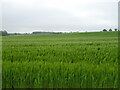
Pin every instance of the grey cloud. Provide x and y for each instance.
(31, 17)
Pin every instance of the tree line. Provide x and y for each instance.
(4, 32)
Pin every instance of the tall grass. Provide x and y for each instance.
(77, 60)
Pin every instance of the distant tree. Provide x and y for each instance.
(70, 31)
(110, 29)
(104, 30)
(0, 33)
(115, 29)
(3, 33)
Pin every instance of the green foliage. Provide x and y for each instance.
(75, 60)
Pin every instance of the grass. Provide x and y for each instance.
(74, 60)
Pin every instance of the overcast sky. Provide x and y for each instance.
(59, 15)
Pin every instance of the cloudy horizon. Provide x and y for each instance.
(59, 15)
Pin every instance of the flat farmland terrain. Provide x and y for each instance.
(73, 60)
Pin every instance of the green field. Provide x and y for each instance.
(74, 60)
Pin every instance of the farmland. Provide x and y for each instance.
(74, 60)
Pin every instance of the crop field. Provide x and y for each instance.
(74, 60)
